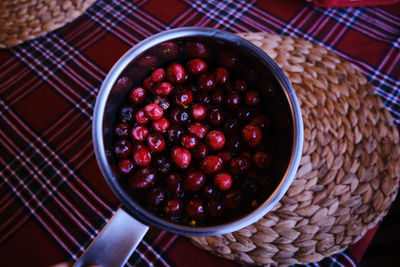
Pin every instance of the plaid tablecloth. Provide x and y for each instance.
(53, 199)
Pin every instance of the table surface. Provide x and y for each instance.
(53, 199)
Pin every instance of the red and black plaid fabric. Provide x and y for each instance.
(53, 199)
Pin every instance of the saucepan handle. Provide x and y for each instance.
(115, 243)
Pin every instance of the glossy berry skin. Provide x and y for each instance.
(139, 133)
(189, 140)
(200, 151)
(162, 89)
(195, 209)
(137, 96)
(252, 135)
(161, 163)
(153, 111)
(261, 160)
(196, 66)
(203, 97)
(173, 183)
(143, 178)
(147, 83)
(223, 181)
(215, 140)
(234, 143)
(218, 96)
(127, 113)
(240, 86)
(232, 199)
(215, 208)
(244, 114)
(155, 142)
(141, 117)
(226, 156)
(174, 134)
(173, 207)
(168, 50)
(239, 165)
(221, 75)
(122, 148)
(158, 75)
(141, 155)
(125, 167)
(231, 126)
(156, 197)
(181, 156)
(198, 112)
(209, 191)
(176, 73)
(183, 97)
(148, 62)
(163, 102)
(207, 82)
(161, 125)
(198, 129)
(261, 121)
(121, 130)
(197, 49)
(252, 98)
(211, 165)
(228, 59)
(193, 180)
(233, 100)
(215, 116)
(178, 115)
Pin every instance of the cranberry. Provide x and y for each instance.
(161, 125)
(261, 160)
(239, 165)
(226, 156)
(223, 181)
(198, 112)
(200, 151)
(162, 101)
(127, 113)
(234, 143)
(244, 114)
(137, 96)
(122, 148)
(240, 86)
(181, 156)
(261, 121)
(173, 208)
(218, 96)
(233, 199)
(121, 130)
(203, 97)
(221, 75)
(193, 180)
(140, 133)
(183, 97)
(215, 116)
(197, 49)
(148, 83)
(252, 98)
(174, 134)
(231, 126)
(176, 73)
(141, 117)
(233, 100)
(155, 142)
(198, 129)
(158, 75)
(194, 209)
(207, 82)
(161, 163)
(178, 115)
(210, 191)
(162, 89)
(143, 178)
(153, 111)
(168, 50)
(215, 208)
(123, 83)
(174, 185)
(189, 140)
(148, 62)
(156, 197)
(196, 66)
(141, 155)
(125, 167)
(215, 140)
(252, 135)
(228, 59)
(211, 164)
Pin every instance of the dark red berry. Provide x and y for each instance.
(148, 62)
(174, 184)
(156, 197)
(211, 164)
(215, 140)
(183, 97)
(206, 82)
(197, 49)
(125, 167)
(198, 112)
(127, 113)
(233, 100)
(141, 117)
(158, 75)
(226, 156)
(252, 135)
(261, 121)
(195, 209)
(148, 83)
(161, 163)
(174, 134)
(218, 96)
(232, 199)
(261, 160)
(122, 148)
(196, 66)
(193, 180)
(215, 116)
(140, 133)
(210, 191)
(162, 89)
(122, 84)
(244, 114)
(176, 73)
(197, 129)
(137, 95)
(141, 155)
(228, 59)
(221, 75)
(234, 143)
(178, 115)
(189, 140)
(161, 125)
(215, 208)
(156, 142)
(200, 151)
(173, 208)
(240, 86)
(223, 181)
(143, 178)
(153, 111)
(231, 126)
(168, 50)
(239, 165)
(203, 97)
(181, 156)
(121, 130)
(252, 98)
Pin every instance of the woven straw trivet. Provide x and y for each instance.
(349, 172)
(22, 20)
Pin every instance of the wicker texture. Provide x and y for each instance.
(22, 20)
(349, 172)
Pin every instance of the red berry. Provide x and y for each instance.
(148, 62)
(168, 50)
(198, 129)
(200, 151)
(161, 125)
(234, 143)
(156, 142)
(161, 163)
(221, 75)
(218, 96)
(176, 73)
(141, 117)
(223, 181)
(156, 197)
(196, 66)
(215, 208)
(181, 156)
(210, 191)
(228, 59)
(252, 135)
(122, 148)
(261, 121)
(203, 97)
(148, 83)
(215, 140)
(173, 208)
(141, 155)
(178, 115)
(183, 97)
(207, 82)
(125, 167)
(121, 130)
(240, 86)
(197, 49)
(252, 98)
(195, 209)
(143, 178)
(189, 141)
(174, 134)
(137, 95)
(261, 160)
(211, 164)
(198, 112)
(158, 75)
(215, 116)
(162, 89)
(193, 180)
(239, 165)
(233, 100)
(226, 156)
(140, 133)
(233, 199)
(153, 111)
(231, 126)
(174, 185)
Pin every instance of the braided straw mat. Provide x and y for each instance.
(22, 20)
(349, 172)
